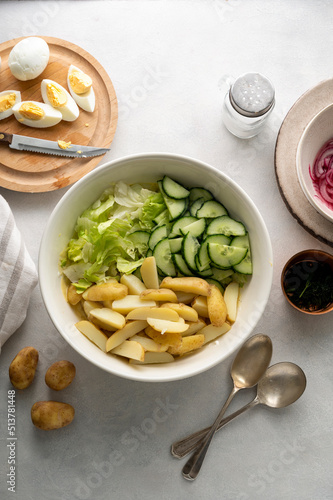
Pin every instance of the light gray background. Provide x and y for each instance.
(169, 61)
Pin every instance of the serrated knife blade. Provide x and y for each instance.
(26, 143)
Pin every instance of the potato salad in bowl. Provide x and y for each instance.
(162, 277)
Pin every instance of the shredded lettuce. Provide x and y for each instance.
(101, 245)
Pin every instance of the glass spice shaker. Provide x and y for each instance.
(247, 105)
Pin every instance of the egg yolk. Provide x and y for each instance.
(7, 101)
(31, 111)
(55, 95)
(64, 144)
(80, 82)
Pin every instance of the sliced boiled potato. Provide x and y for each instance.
(133, 283)
(153, 312)
(131, 328)
(150, 344)
(73, 297)
(211, 332)
(162, 325)
(164, 338)
(217, 309)
(200, 305)
(149, 273)
(93, 333)
(106, 291)
(159, 295)
(88, 306)
(194, 285)
(184, 311)
(190, 343)
(107, 303)
(130, 302)
(194, 327)
(153, 357)
(231, 294)
(130, 349)
(108, 317)
(185, 298)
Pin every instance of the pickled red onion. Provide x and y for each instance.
(322, 174)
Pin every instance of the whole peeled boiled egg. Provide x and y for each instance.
(56, 96)
(80, 87)
(8, 99)
(28, 58)
(36, 114)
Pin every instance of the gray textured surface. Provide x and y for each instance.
(169, 61)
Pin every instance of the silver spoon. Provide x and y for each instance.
(247, 369)
(281, 386)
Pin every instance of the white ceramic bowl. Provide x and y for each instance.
(316, 134)
(148, 168)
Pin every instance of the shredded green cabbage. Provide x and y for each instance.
(101, 245)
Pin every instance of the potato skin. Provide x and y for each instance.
(49, 415)
(23, 367)
(60, 375)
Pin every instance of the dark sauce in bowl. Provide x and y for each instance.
(309, 285)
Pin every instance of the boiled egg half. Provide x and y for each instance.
(8, 99)
(80, 87)
(36, 114)
(56, 96)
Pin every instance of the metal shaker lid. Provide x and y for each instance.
(252, 95)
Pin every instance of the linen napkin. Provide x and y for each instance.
(18, 275)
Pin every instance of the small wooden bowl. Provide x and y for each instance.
(304, 256)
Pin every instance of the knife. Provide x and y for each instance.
(35, 145)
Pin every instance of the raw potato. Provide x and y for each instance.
(106, 291)
(149, 273)
(188, 344)
(60, 375)
(217, 309)
(72, 296)
(197, 286)
(23, 367)
(49, 415)
(160, 295)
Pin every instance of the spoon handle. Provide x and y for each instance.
(192, 467)
(181, 448)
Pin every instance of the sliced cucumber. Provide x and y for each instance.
(175, 207)
(173, 189)
(227, 226)
(182, 222)
(225, 256)
(190, 247)
(221, 274)
(204, 273)
(198, 192)
(213, 281)
(245, 266)
(211, 209)
(181, 264)
(149, 253)
(196, 205)
(162, 217)
(158, 234)
(175, 245)
(203, 256)
(195, 228)
(163, 258)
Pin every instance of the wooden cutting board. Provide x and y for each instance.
(34, 172)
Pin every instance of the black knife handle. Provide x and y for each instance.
(6, 137)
